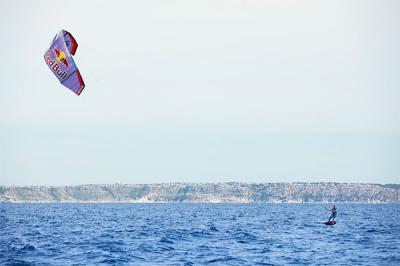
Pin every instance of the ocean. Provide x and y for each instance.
(198, 234)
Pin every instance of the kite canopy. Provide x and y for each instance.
(59, 59)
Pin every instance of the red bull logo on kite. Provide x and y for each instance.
(60, 57)
(55, 66)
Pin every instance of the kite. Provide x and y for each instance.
(59, 59)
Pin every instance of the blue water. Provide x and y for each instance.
(198, 234)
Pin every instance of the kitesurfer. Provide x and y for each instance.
(334, 212)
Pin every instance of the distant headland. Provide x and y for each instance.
(229, 192)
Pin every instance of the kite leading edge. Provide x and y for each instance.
(59, 59)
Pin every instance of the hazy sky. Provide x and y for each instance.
(202, 91)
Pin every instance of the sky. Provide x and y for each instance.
(202, 91)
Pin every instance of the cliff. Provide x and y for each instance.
(206, 192)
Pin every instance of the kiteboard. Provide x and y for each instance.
(330, 223)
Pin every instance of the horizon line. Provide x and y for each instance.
(204, 183)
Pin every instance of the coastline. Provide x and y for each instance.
(213, 193)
